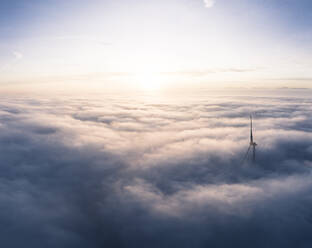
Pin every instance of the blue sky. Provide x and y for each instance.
(156, 44)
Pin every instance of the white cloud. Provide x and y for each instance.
(209, 3)
(18, 55)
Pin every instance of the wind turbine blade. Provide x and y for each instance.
(246, 155)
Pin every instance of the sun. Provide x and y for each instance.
(150, 76)
(149, 81)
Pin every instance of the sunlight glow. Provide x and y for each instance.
(150, 81)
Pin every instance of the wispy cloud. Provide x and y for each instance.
(93, 40)
(293, 79)
(14, 57)
(209, 3)
(17, 55)
(205, 72)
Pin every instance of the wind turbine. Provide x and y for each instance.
(252, 145)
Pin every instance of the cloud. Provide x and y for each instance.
(119, 171)
(15, 57)
(18, 55)
(207, 72)
(85, 39)
(209, 3)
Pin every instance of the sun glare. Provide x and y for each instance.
(149, 81)
(150, 78)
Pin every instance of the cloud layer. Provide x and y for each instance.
(112, 171)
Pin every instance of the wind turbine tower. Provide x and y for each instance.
(252, 145)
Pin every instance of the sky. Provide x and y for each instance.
(125, 123)
(154, 45)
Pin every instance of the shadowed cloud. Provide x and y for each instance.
(129, 172)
